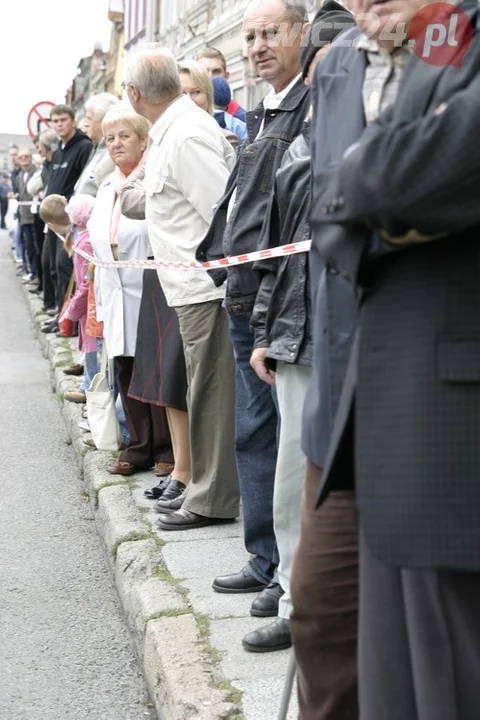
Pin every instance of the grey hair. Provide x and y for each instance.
(49, 139)
(154, 73)
(296, 11)
(100, 104)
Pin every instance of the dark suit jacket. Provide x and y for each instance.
(417, 402)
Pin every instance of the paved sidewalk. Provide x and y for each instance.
(187, 636)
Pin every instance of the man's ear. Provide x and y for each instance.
(227, 75)
(135, 94)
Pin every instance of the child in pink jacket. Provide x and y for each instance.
(79, 209)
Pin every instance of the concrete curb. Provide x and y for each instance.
(171, 640)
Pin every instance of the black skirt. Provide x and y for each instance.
(159, 372)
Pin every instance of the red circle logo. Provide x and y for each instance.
(441, 34)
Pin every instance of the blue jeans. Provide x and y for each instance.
(256, 448)
(20, 249)
(90, 369)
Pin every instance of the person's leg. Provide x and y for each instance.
(385, 672)
(39, 241)
(90, 366)
(3, 212)
(137, 414)
(161, 441)
(29, 240)
(213, 490)
(256, 449)
(21, 248)
(443, 624)
(53, 241)
(180, 434)
(292, 384)
(324, 621)
(64, 271)
(19, 243)
(48, 287)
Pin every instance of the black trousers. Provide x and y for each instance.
(147, 424)
(49, 266)
(419, 642)
(29, 243)
(64, 265)
(39, 241)
(3, 212)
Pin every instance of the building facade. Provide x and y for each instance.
(187, 26)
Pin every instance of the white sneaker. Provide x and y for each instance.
(83, 425)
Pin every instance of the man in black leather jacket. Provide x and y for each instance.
(236, 229)
(282, 324)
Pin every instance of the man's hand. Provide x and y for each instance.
(412, 237)
(257, 361)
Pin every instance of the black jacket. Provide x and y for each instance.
(68, 163)
(252, 177)
(281, 318)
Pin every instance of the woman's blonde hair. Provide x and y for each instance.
(200, 77)
(125, 114)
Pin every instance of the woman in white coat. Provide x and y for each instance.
(118, 292)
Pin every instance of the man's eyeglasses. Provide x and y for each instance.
(124, 85)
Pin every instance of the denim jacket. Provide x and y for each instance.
(253, 178)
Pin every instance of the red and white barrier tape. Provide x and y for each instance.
(281, 251)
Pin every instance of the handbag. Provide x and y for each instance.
(65, 325)
(102, 416)
(93, 327)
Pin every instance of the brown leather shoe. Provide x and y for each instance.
(186, 520)
(74, 370)
(162, 469)
(120, 467)
(75, 396)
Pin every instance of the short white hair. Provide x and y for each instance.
(49, 139)
(100, 104)
(154, 73)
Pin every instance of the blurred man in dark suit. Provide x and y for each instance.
(400, 218)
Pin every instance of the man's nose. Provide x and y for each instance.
(260, 45)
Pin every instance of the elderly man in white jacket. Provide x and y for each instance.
(186, 172)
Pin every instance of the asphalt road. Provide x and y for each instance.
(65, 652)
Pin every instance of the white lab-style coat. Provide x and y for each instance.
(117, 292)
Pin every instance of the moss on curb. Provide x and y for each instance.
(232, 694)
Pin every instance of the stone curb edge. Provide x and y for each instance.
(171, 640)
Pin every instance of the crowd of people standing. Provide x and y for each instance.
(331, 395)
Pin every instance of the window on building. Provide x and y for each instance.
(136, 20)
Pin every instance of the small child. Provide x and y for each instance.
(70, 220)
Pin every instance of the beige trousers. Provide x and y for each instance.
(213, 490)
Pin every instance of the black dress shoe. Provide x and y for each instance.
(186, 520)
(174, 490)
(269, 638)
(74, 370)
(169, 506)
(242, 582)
(157, 490)
(266, 604)
(50, 327)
